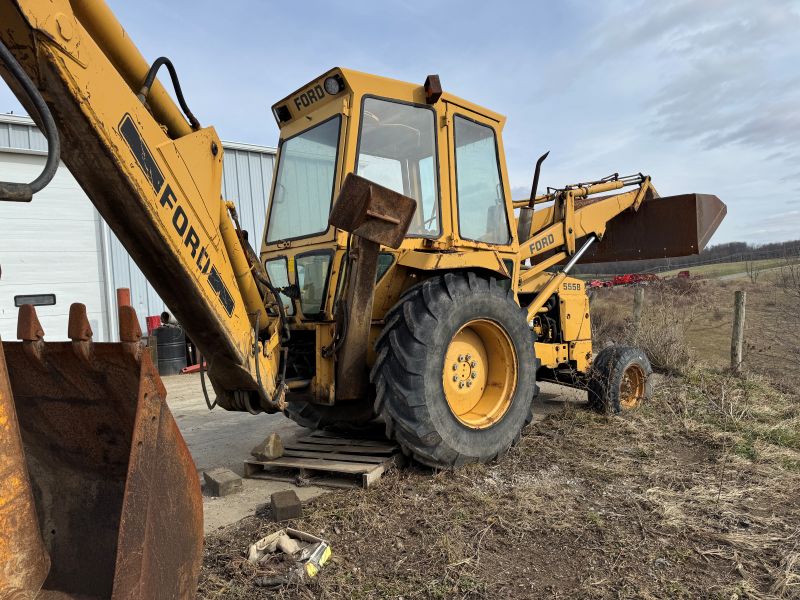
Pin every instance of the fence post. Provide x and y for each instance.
(737, 339)
(638, 303)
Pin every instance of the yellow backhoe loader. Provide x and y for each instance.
(397, 280)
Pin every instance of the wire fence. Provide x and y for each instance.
(687, 263)
(750, 256)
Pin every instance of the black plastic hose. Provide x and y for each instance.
(23, 192)
(176, 84)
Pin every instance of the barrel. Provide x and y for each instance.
(171, 349)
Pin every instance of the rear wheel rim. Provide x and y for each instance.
(480, 373)
(632, 387)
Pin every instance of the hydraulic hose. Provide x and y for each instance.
(176, 84)
(23, 192)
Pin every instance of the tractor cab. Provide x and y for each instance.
(441, 151)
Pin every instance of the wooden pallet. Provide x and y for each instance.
(324, 459)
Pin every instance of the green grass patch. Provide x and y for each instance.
(745, 449)
(790, 464)
(781, 436)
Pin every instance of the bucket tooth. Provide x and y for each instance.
(29, 329)
(31, 333)
(130, 333)
(79, 329)
(129, 329)
(80, 332)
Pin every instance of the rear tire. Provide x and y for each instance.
(439, 406)
(344, 417)
(619, 380)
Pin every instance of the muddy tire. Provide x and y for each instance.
(345, 417)
(455, 373)
(619, 380)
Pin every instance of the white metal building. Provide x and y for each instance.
(59, 245)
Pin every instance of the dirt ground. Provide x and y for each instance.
(694, 495)
(220, 438)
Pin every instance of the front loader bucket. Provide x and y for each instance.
(115, 489)
(663, 227)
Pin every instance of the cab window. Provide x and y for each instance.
(278, 272)
(301, 198)
(482, 212)
(397, 149)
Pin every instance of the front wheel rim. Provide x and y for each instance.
(632, 387)
(479, 375)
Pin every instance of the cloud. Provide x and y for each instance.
(704, 95)
(722, 72)
(783, 225)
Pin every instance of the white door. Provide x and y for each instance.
(49, 247)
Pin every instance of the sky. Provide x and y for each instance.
(702, 95)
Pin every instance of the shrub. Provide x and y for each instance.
(663, 340)
(607, 327)
(661, 333)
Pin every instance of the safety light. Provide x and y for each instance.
(334, 84)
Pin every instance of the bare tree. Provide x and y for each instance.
(752, 270)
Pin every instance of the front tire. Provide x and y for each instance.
(619, 380)
(455, 373)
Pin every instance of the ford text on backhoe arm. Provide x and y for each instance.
(395, 281)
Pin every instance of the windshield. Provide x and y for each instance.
(301, 199)
(397, 150)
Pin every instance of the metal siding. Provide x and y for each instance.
(77, 267)
(247, 178)
(19, 137)
(36, 140)
(19, 133)
(49, 246)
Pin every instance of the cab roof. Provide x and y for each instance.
(311, 96)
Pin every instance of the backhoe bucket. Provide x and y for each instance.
(117, 500)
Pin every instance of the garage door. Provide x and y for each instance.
(50, 250)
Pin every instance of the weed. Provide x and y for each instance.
(790, 464)
(745, 449)
(595, 519)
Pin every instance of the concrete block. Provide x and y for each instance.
(222, 482)
(286, 505)
(269, 449)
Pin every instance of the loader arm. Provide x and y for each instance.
(154, 174)
(681, 225)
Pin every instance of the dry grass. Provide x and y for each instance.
(700, 318)
(695, 495)
(662, 330)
